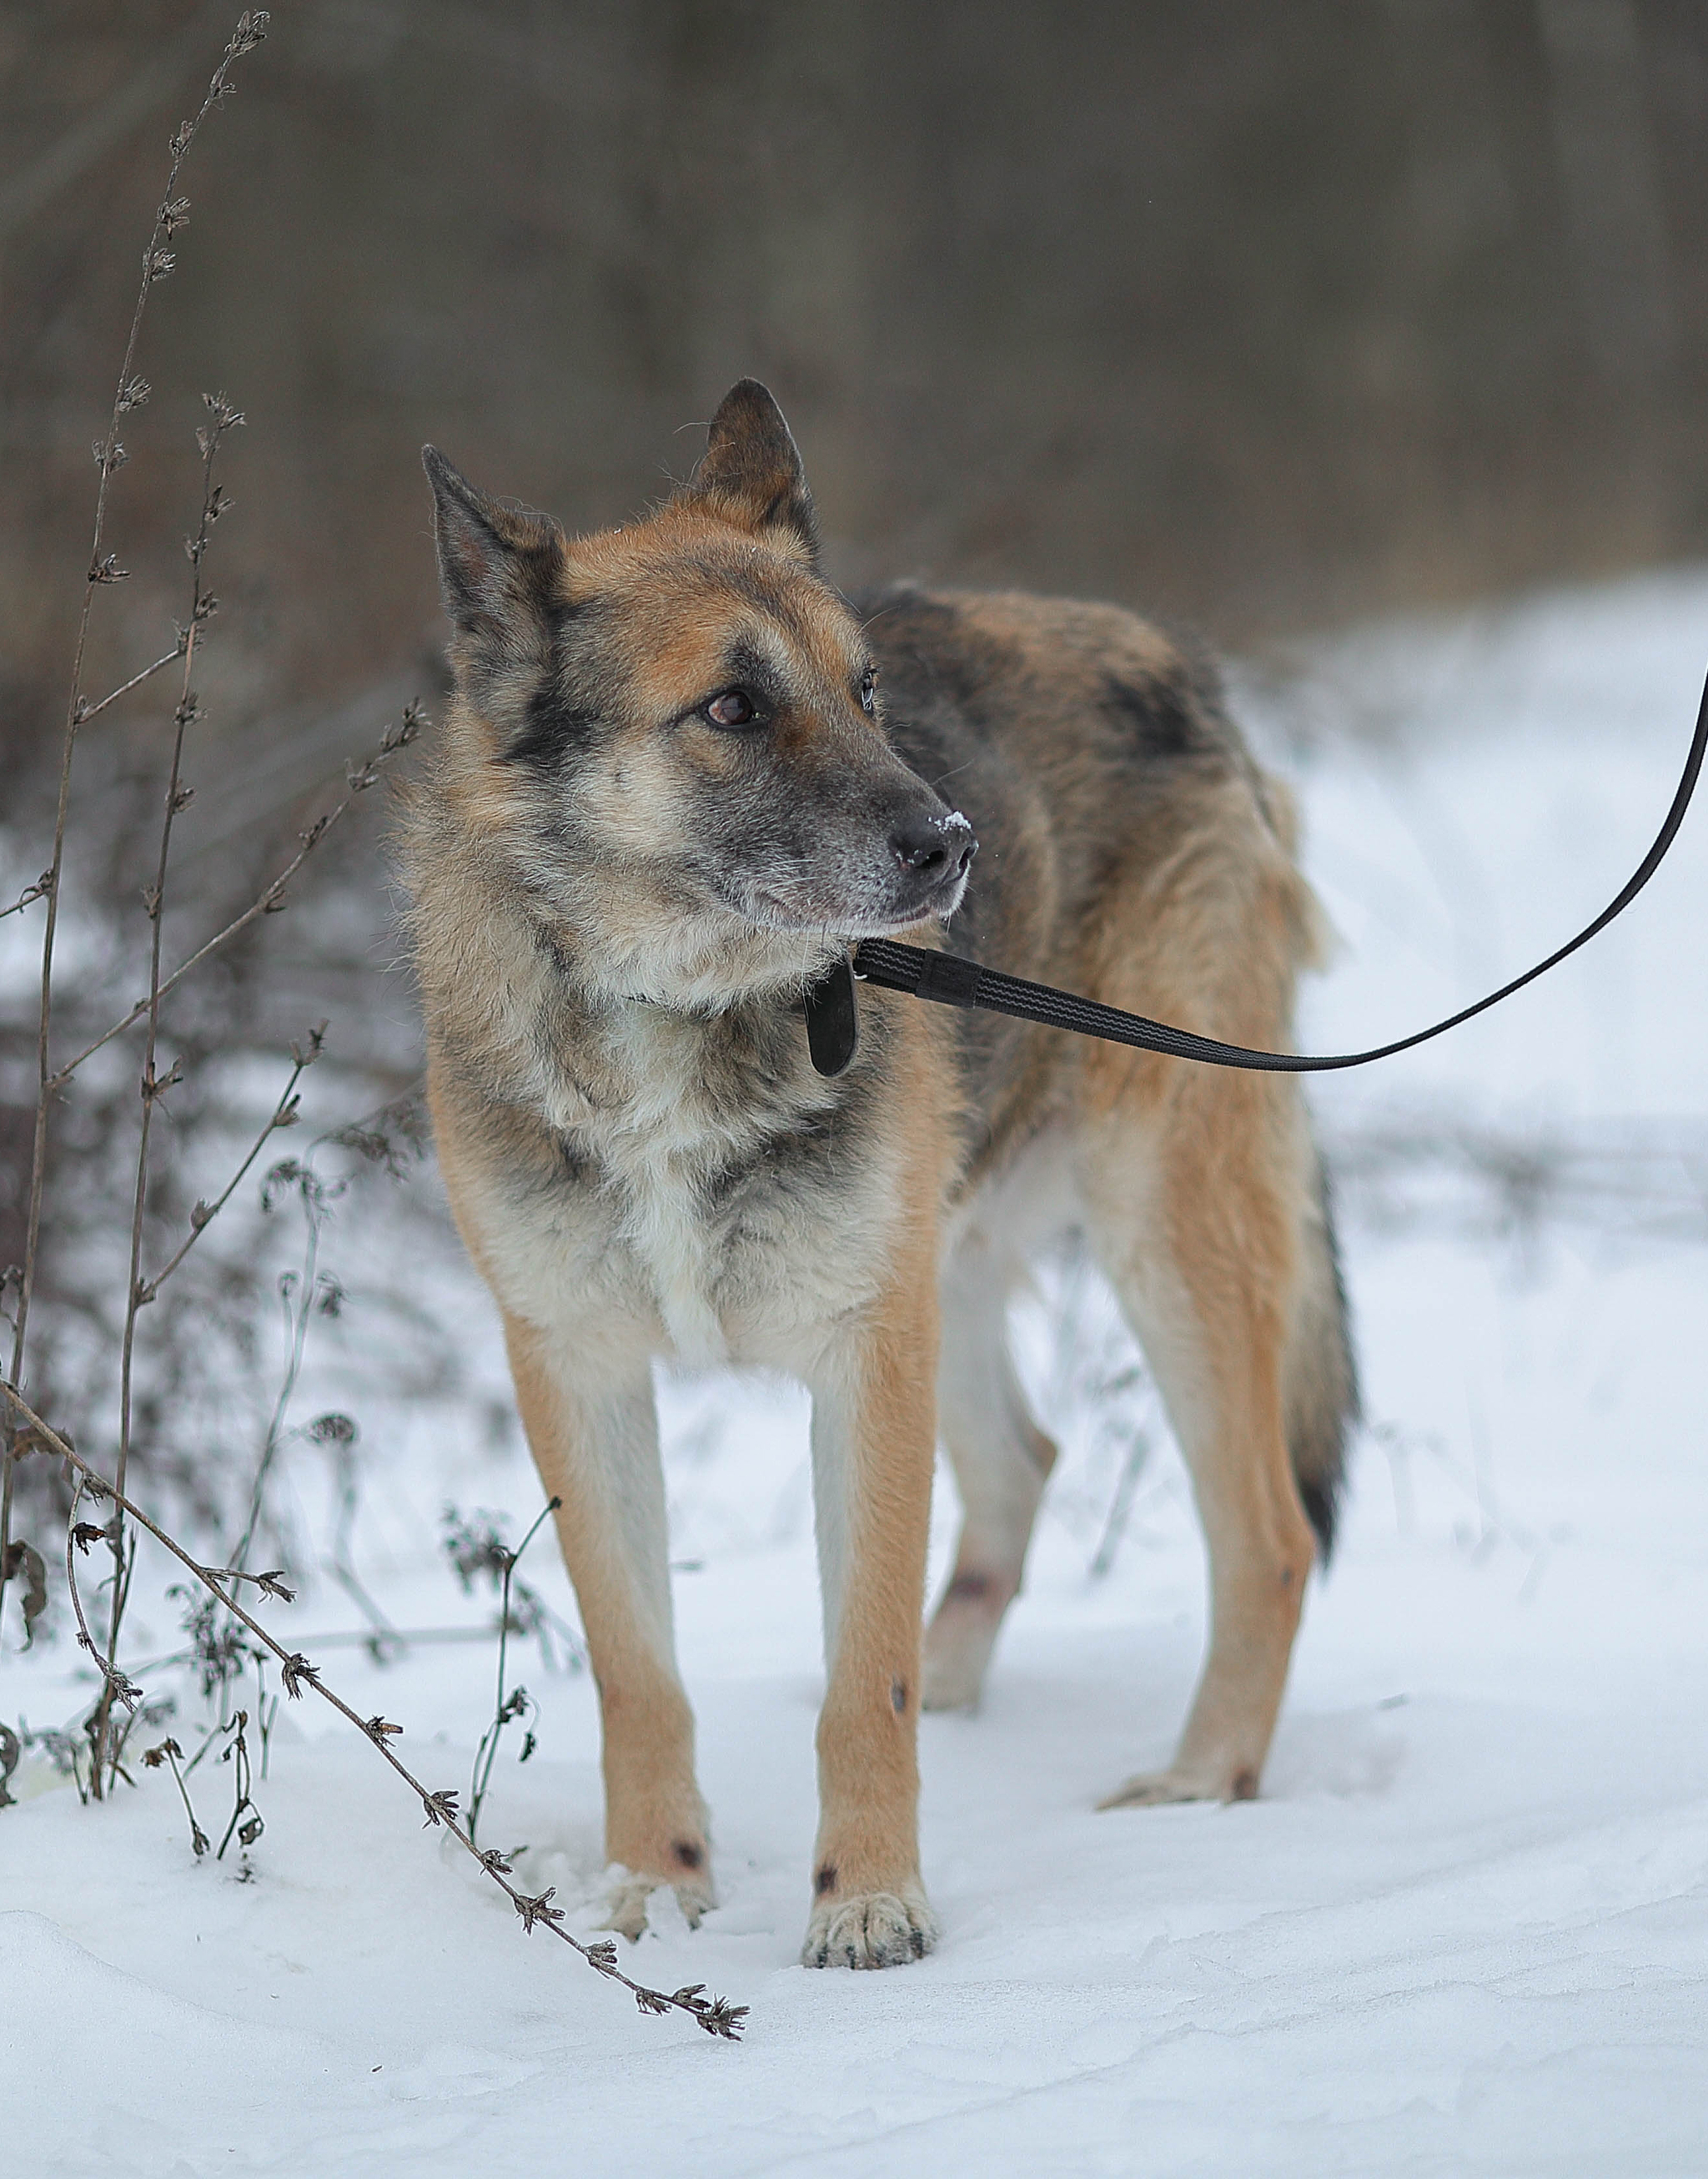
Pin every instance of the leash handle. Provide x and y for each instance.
(951, 979)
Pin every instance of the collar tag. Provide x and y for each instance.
(833, 1018)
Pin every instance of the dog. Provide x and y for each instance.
(677, 776)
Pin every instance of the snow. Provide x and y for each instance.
(1465, 1929)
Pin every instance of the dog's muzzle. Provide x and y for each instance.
(933, 851)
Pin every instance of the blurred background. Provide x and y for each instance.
(1368, 338)
(1264, 316)
(1268, 319)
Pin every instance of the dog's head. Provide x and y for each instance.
(677, 725)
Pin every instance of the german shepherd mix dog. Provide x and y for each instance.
(678, 775)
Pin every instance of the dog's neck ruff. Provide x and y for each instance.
(829, 1004)
(704, 983)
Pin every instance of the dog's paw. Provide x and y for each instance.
(625, 1902)
(1156, 1789)
(871, 1930)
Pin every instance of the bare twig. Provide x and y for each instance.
(202, 1215)
(381, 1640)
(31, 893)
(1121, 1505)
(129, 393)
(153, 1086)
(505, 1709)
(87, 710)
(475, 1546)
(270, 1584)
(272, 898)
(299, 1293)
(715, 2015)
(168, 1751)
(79, 1536)
(308, 1292)
(238, 1754)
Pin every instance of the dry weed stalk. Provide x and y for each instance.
(26, 1431)
(474, 1545)
(130, 393)
(506, 1708)
(716, 2014)
(358, 779)
(169, 1752)
(154, 1085)
(31, 892)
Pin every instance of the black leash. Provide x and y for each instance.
(950, 980)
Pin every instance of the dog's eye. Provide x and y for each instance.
(868, 689)
(734, 708)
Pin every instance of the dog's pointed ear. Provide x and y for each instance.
(751, 473)
(498, 565)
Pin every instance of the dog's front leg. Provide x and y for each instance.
(587, 1406)
(874, 1428)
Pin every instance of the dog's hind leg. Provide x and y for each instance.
(1196, 1211)
(1002, 1460)
(596, 1443)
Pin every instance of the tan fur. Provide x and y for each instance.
(866, 1863)
(654, 1820)
(618, 901)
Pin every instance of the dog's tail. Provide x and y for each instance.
(1321, 1379)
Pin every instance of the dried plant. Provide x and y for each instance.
(11, 1747)
(298, 1673)
(474, 1545)
(168, 1752)
(506, 1708)
(226, 1641)
(246, 1818)
(1423, 1168)
(1097, 1390)
(130, 393)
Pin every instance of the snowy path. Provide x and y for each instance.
(1465, 1930)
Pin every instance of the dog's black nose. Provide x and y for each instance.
(936, 845)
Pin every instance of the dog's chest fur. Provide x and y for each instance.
(704, 1178)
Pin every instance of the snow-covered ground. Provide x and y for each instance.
(1466, 1930)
